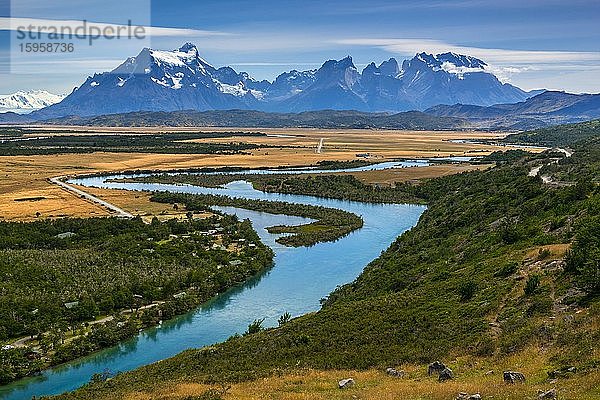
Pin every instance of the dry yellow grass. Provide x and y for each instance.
(556, 252)
(391, 176)
(472, 376)
(139, 204)
(26, 176)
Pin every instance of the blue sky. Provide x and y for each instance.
(530, 43)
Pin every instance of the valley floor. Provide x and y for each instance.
(25, 190)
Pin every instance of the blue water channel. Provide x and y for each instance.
(299, 278)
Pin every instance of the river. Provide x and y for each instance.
(300, 277)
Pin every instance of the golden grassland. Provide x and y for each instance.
(25, 177)
(473, 375)
(391, 176)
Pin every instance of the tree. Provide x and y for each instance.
(285, 318)
(255, 327)
(467, 290)
(532, 285)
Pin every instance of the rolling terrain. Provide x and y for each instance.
(500, 273)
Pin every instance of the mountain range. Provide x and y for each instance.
(156, 80)
(546, 109)
(23, 102)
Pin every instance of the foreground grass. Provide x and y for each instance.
(474, 375)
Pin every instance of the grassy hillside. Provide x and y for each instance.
(561, 135)
(500, 264)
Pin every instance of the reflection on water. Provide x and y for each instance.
(300, 277)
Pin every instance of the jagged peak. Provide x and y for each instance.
(344, 63)
(188, 47)
(389, 67)
(458, 60)
(371, 67)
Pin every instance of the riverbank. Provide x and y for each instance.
(112, 264)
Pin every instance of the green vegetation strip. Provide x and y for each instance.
(164, 143)
(343, 187)
(330, 225)
(561, 135)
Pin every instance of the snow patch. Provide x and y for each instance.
(459, 71)
(257, 94)
(159, 82)
(237, 90)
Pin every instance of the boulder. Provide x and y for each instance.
(394, 372)
(564, 372)
(513, 377)
(435, 368)
(446, 375)
(346, 383)
(550, 394)
(466, 396)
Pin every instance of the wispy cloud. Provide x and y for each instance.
(52, 25)
(497, 56)
(275, 64)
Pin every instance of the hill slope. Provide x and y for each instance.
(545, 109)
(561, 135)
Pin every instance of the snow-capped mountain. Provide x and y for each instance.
(157, 80)
(450, 78)
(23, 102)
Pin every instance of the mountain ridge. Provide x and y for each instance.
(259, 119)
(545, 109)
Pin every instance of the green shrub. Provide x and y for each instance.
(467, 290)
(255, 326)
(507, 269)
(285, 318)
(532, 285)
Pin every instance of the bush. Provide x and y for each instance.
(285, 318)
(467, 290)
(507, 270)
(255, 327)
(544, 253)
(532, 285)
